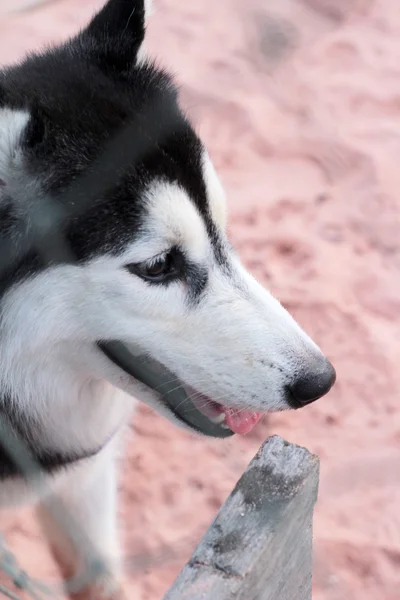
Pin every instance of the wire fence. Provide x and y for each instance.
(41, 229)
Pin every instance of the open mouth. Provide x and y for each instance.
(191, 407)
(237, 420)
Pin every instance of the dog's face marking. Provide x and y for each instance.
(215, 193)
(209, 321)
(173, 220)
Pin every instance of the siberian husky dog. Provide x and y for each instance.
(118, 281)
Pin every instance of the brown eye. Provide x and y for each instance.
(161, 269)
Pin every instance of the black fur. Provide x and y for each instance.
(83, 95)
(101, 128)
(28, 436)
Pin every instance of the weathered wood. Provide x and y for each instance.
(259, 546)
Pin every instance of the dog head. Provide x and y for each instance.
(92, 131)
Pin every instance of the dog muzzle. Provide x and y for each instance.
(171, 391)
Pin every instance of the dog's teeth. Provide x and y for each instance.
(218, 419)
(224, 426)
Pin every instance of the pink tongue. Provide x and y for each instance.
(241, 421)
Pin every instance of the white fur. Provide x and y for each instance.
(149, 8)
(142, 54)
(12, 125)
(237, 334)
(216, 193)
(236, 345)
(89, 496)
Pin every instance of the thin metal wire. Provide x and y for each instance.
(45, 234)
(8, 594)
(41, 230)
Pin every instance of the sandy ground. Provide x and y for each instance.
(301, 111)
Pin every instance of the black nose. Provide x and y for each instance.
(310, 387)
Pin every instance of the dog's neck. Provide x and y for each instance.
(36, 373)
(58, 408)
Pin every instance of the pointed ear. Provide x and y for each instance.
(116, 34)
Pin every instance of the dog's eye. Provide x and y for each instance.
(161, 269)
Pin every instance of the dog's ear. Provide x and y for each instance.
(115, 36)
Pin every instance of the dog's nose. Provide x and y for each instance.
(312, 386)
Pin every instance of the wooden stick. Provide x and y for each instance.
(259, 546)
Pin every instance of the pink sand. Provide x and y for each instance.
(301, 112)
